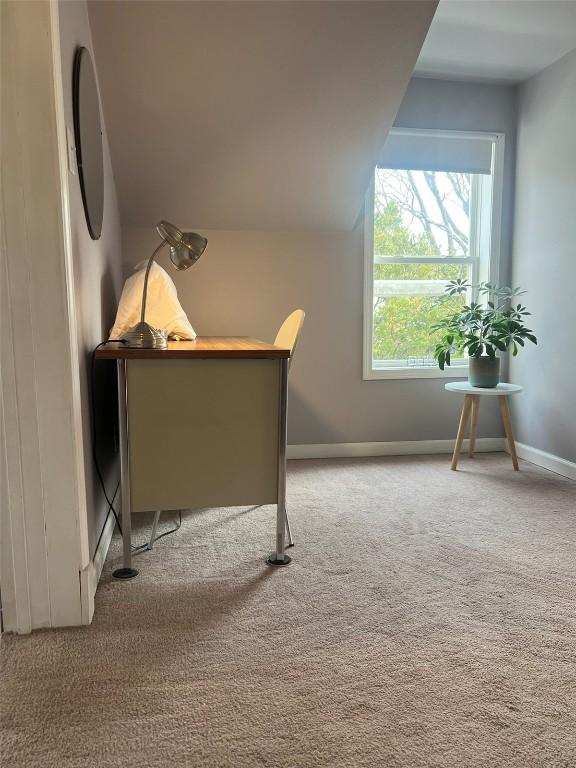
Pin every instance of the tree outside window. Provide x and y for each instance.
(423, 215)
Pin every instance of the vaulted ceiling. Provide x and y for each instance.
(502, 40)
(251, 115)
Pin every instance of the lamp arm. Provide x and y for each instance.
(148, 266)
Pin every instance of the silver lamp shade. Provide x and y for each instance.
(185, 247)
(185, 250)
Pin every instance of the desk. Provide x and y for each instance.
(201, 424)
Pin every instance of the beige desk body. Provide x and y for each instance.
(202, 424)
(202, 433)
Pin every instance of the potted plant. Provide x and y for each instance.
(482, 330)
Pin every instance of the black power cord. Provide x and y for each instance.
(94, 441)
(147, 546)
(111, 509)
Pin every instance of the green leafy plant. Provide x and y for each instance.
(482, 329)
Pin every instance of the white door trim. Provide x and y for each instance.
(16, 609)
(70, 285)
(44, 526)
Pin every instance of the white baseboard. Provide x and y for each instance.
(400, 448)
(421, 447)
(90, 576)
(547, 460)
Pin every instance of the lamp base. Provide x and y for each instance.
(145, 336)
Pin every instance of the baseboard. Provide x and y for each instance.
(90, 576)
(547, 460)
(400, 448)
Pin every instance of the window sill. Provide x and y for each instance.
(454, 372)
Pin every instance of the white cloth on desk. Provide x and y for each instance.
(163, 310)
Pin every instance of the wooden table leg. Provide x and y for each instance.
(465, 415)
(474, 423)
(507, 421)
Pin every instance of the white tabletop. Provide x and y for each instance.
(467, 389)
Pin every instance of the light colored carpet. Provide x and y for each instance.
(428, 620)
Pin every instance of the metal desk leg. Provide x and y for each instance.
(279, 557)
(288, 531)
(126, 572)
(154, 528)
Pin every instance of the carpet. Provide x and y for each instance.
(428, 619)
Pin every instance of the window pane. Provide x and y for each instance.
(421, 213)
(406, 304)
(424, 223)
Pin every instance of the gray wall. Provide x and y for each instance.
(544, 260)
(98, 282)
(247, 282)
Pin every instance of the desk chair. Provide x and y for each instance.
(289, 331)
(287, 337)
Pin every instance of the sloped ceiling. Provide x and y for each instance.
(501, 40)
(251, 115)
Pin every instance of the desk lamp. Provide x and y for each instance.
(185, 250)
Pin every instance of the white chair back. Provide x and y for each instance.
(289, 331)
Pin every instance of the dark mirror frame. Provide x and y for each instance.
(83, 59)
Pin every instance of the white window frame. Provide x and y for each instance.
(486, 269)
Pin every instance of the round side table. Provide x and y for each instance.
(472, 397)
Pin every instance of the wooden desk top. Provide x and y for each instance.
(213, 347)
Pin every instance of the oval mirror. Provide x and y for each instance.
(88, 138)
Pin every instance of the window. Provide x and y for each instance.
(432, 215)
